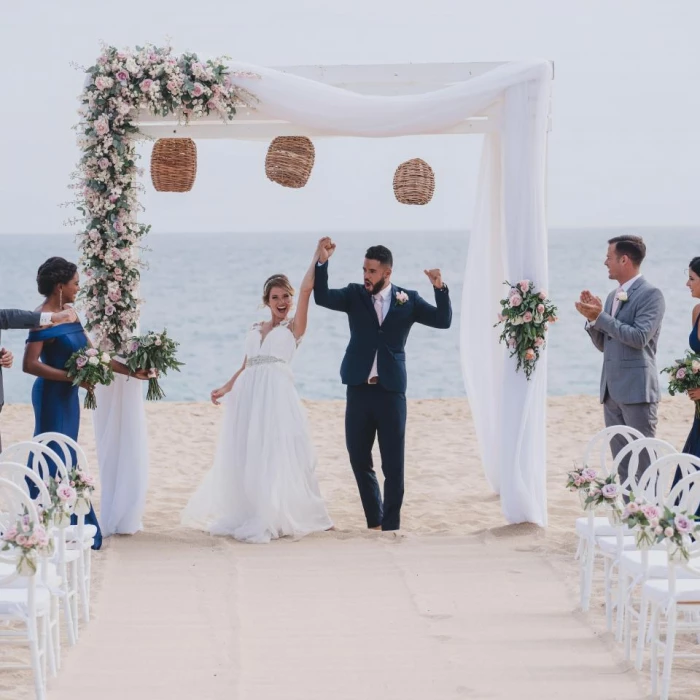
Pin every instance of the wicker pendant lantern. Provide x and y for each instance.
(174, 165)
(414, 182)
(289, 161)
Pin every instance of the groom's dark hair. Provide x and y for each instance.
(631, 246)
(380, 254)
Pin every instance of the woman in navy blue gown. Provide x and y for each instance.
(55, 400)
(692, 445)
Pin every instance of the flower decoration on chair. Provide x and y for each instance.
(643, 518)
(119, 85)
(657, 525)
(29, 540)
(63, 498)
(84, 485)
(605, 493)
(526, 314)
(684, 375)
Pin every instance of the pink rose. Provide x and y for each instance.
(158, 342)
(651, 512)
(81, 362)
(632, 507)
(133, 346)
(680, 374)
(103, 163)
(109, 310)
(542, 295)
(684, 525)
(524, 285)
(668, 532)
(539, 342)
(540, 308)
(589, 474)
(66, 493)
(21, 540)
(122, 76)
(118, 226)
(515, 300)
(610, 491)
(10, 534)
(527, 317)
(102, 127)
(171, 85)
(113, 198)
(198, 90)
(91, 352)
(530, 355)
(115, 295)
(146, 85)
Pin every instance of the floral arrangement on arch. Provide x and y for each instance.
(119, 85)
(526, 314)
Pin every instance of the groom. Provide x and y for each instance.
(374, 369)
(626, 330)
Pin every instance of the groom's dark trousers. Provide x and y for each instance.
(378, 410)
(373, 411)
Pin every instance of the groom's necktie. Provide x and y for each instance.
(616, 301)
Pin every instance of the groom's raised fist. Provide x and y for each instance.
(435, 277)
(325, 249)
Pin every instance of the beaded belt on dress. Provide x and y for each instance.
(263, 360)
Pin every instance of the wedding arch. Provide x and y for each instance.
(151, 92)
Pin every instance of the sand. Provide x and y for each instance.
(460, 605)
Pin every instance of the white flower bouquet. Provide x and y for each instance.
(89, 367)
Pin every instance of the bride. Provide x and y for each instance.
(262, 485)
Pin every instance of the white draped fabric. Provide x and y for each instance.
(121, 435)
(508, 241)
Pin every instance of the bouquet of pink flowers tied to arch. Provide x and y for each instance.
(684, 375)
(90, 367)
(526, 314)
(155, 353)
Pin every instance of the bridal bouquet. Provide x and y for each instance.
(28, 539)
(526, 314)
(90, 367)
(684, 375)
(155, 353)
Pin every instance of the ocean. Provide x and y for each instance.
(206, 288)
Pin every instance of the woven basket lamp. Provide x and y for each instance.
(289, 161)
(414, 182)
(174, 165)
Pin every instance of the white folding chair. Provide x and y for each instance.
(81, 535)
(27, 606)
(61, 574)
(597, 455)
(676, 599)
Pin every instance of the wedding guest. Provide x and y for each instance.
(626, 330)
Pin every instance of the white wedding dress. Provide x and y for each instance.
(263, 483)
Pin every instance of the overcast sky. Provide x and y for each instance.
(624, 151)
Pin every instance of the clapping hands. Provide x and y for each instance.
(589, 306)
(6, 358)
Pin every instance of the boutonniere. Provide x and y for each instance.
(622, 297)
(401, 298)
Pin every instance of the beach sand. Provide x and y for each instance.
(460, 605)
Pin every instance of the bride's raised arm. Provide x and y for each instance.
(301, 315)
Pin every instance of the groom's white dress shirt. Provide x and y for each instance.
(385, 297)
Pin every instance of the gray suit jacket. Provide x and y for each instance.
(13, 318)
(628, 343)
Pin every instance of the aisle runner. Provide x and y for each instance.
(329, 619)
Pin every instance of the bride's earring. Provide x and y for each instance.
(60, 298)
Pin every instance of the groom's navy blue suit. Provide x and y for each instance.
(378, 410)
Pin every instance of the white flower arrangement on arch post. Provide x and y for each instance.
(526, 314)
(119, 85)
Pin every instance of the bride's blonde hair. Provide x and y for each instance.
(276, 281)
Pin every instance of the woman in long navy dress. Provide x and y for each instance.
(55, 399)
(692, 445)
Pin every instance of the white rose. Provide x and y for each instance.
(94, 360)
(106, 359)
(622, 296)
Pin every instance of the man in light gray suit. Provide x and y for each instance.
(626, 330)
(13, 318)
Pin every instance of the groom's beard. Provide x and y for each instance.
(377, 287)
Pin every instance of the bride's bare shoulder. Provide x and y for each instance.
(696, 313)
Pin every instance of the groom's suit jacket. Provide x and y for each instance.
(628, 342)
(368, 338)
(12, 318)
